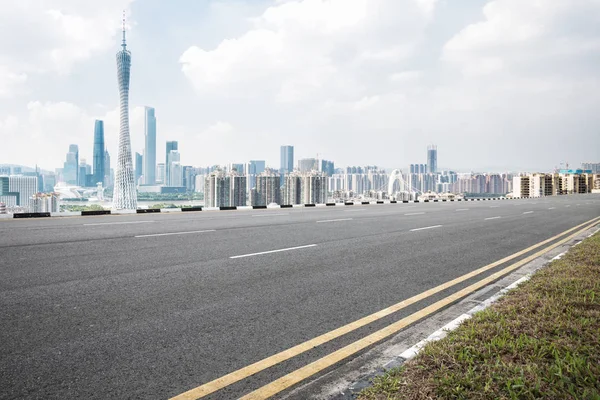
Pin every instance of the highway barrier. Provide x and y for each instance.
(231, 208)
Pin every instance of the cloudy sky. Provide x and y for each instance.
(500, 84)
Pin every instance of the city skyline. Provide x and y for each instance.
(45, 115)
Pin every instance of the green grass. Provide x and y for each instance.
(541, 340)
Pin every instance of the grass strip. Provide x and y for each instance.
(541, 340)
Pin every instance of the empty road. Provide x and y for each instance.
(153, 305)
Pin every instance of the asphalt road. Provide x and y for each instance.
(149, 306)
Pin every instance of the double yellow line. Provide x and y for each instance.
(315, 367)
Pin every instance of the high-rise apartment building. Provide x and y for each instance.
(171, 146)
(314, 188)
(45, 202)
(432, 159)
(149, 169)
(98, 160)
(224, 189)
(286, 160)
(267, 189)
(292, 188)
(124, 192)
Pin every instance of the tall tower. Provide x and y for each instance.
(124, 194)
(98, 152)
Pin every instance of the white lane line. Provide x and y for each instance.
(269, 215)
(119, 223)
(463, 209)
(487, 219)
(274, 251)
(427, 227)
(552, 208)
(173, 233)
(528, 212)
(419, 213)
(334, 220)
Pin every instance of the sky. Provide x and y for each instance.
(496, 85)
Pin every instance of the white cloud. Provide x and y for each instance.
(299, 50)
(53, 36)
(50, 127)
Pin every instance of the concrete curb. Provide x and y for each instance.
(241, 208)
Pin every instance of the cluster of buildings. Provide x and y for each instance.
(22, 193)
(309, 181)
(556, 184)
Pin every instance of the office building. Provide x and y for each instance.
(98, 160)
(139, 166)
(176, 179)
(25, 186)
(160, 173)
(286, 160)
(253, 168)
(308, 165)
(432, 159)
(267, 189)
(149, 168)
(171, 146)
(124, 192)
(224, 189)
(593, 168)
(10, 199)
(70, 172)
(326, 167)
(85, 174)
(189, 178)
(108, 175)
(172, 157)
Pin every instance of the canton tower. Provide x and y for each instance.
(124, 195)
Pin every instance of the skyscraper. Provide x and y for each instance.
(175, 177)
(107, 170)
(139, 160)
(287, 160)
(170, 147)
(71, 166)
(432, 159)
(98, 152)
(149, 170)
(124, 193)
(160, 173)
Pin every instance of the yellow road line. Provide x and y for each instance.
(313, 368)
(243, 373)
